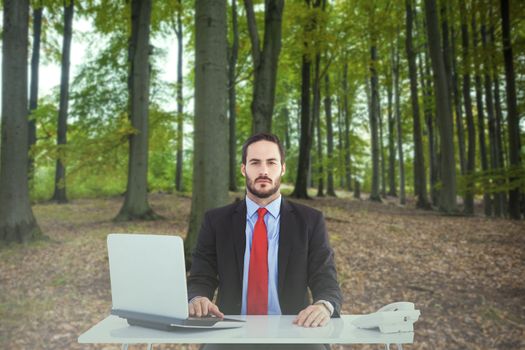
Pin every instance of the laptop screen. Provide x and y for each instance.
(148, 274)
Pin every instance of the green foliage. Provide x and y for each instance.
(98, 128)
(493, 181)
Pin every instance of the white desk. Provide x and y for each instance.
(257, 330)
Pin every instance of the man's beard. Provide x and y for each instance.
(268, 192)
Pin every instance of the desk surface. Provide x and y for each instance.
(258, 329)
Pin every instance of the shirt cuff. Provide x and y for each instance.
(328, 305)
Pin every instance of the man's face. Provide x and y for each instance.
(263, 169)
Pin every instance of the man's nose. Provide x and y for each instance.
(263, 170)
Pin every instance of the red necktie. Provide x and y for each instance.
(257, 303)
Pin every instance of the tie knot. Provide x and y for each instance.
(262, 212)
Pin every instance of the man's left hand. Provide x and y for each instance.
(316, 315)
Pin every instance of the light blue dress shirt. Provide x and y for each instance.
(272, 220)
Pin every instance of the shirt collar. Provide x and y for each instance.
(273, 207)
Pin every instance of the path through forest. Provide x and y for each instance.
(465, 274)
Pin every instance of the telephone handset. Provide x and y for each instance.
(400, 305)
(391, 318)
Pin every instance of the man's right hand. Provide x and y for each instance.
(202, 306)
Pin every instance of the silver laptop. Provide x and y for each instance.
(148, 283)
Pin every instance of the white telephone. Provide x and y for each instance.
(391, 318)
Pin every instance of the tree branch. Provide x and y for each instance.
(254, 35)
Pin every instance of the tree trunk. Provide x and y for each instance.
(33, 89)
(286, 116)
(210, 165)
(391, 142)
(512, 114)
(329, 137)
(374, 118)
(381, 144)
(420, 183)
(316, 115)
(309, 178)
(232, 98)
(428, 111)
(346, 116)
(357, 189)
(487, 204)
(136, 206)
(399, 129)
(447, 59)
(265, 61)
(180, 102)
(447, 199)
(340, 149)
(305, 143)
(494, 161)
(471, 132)
(60, 171)
(17, 223)
(499, 117)
(460, 130)
(300, 190)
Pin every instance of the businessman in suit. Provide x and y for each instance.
(264, 252)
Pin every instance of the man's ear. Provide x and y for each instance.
(243, 169)
(283, 169)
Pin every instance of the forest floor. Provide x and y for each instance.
(465, 274)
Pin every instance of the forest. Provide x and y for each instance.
(402, 121)
(388, 98)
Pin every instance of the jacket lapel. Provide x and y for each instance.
(286, 235)
(239, 235)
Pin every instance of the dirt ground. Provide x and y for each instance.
(465, 274)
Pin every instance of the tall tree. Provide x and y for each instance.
(399, 129)
(33, 88)
(232, 97)
(305, 142)
(381, 143)
(60, 172)
(346, 117)
(420, 183)
(471, 132)
(340, 150)
(286, 117)
(512, 114)
(489, 103)
(456, 93)
(180, 101)
(316, 115)
(445, 50)
(17, 222)
(499, 115)
(487, 203)
(447, 199)
(136, 206)
(329, 137)
(265, 61)
(210, 164)
(428, 111)
(374, 121)
(391, 133)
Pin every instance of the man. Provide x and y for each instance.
(264, 252)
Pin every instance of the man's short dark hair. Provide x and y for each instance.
(262, 136)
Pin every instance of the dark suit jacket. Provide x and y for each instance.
(305, 259)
